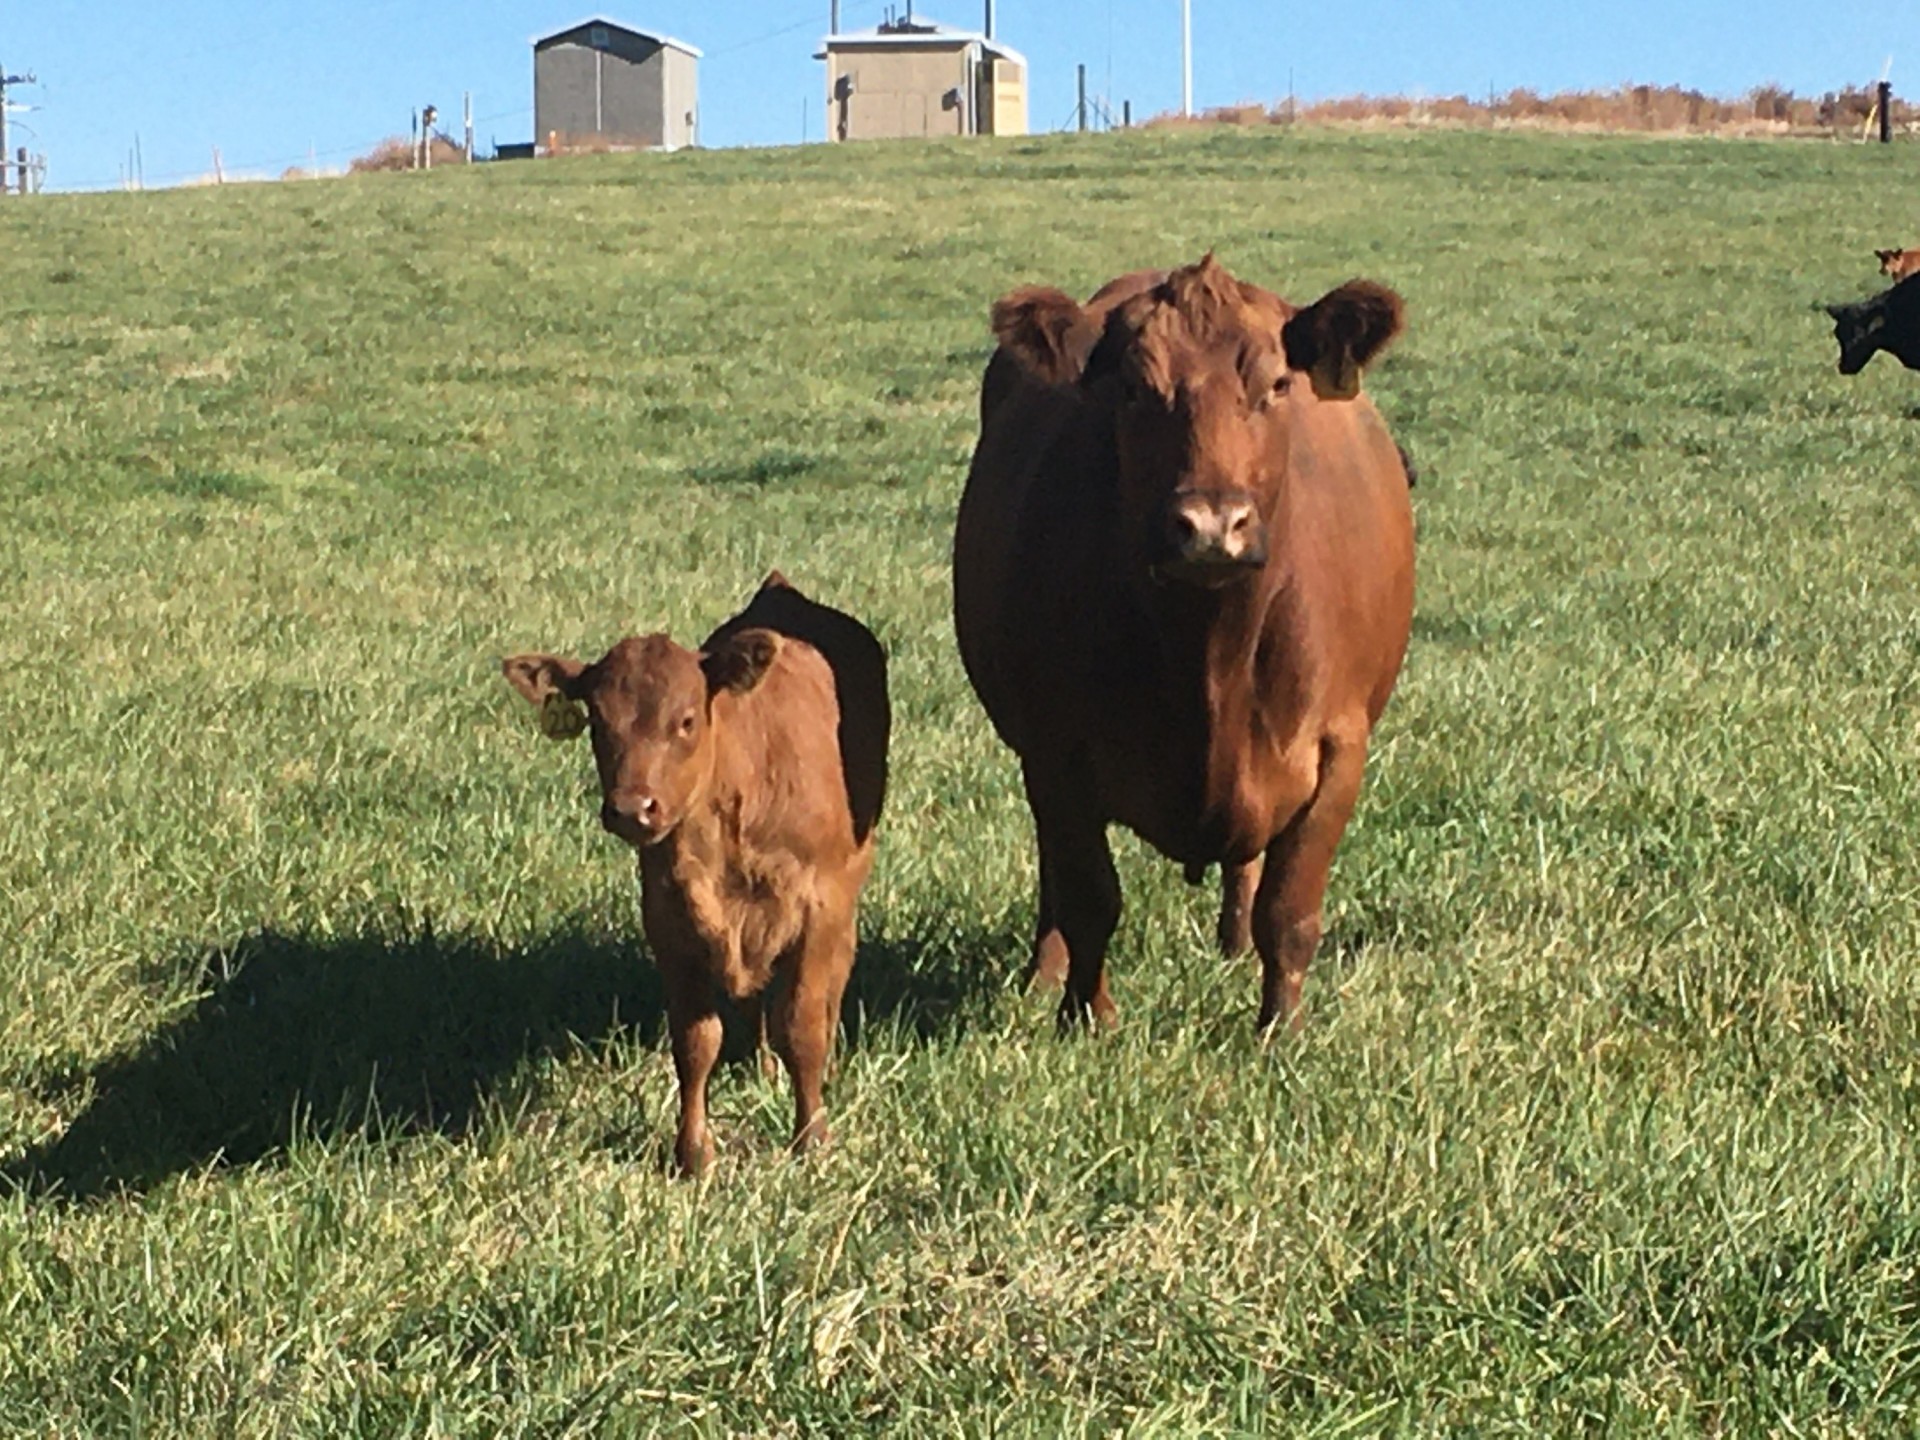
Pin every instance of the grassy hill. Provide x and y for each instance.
(333, 1098)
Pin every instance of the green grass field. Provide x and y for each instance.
(333, 1094)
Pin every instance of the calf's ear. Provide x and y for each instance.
(550, 683)
(740, 662)
(1046, 331)
(1337, 336)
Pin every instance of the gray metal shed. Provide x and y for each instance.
(603, 85)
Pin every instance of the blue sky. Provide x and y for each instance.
(272, 82)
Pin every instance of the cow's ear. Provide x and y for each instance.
(1337, 336)
(1046, 331)
(1883, 256)
(550, 683)
(741, 661)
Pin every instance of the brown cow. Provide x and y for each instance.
(749, 776)
(1183, 585)
(1898, 263)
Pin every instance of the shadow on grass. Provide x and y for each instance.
(328, 1036)
(382, 1036)
(926, 987)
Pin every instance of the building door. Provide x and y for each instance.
(873, 115)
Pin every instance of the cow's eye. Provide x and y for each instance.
(687, 723)
(1282, 383)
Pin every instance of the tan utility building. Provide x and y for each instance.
(917, 78)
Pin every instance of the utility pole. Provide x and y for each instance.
(1186, 57)
(466, 108)
(1080, 110)
(5, 81)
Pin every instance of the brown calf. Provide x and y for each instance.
(1183, 585)
(1898, 263)
(749, 776)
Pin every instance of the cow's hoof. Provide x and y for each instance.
(1096, 1015)
(693, 1158)
(812, 1137)
(1281, 1022)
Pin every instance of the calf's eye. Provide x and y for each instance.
(686, 723)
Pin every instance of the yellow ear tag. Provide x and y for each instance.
(561, 718)
(1335, 379)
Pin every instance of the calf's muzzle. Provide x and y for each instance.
(638, 819)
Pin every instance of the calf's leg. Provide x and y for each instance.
(805, 1018)
(1286, 907)
(693, 1018)
(753, 1016)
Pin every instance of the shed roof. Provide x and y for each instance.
(922, 34)
(654, 35)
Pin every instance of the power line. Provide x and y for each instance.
(866, 7)
(759, 39)
(860, 9)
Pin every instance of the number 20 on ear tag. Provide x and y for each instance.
(561, 718)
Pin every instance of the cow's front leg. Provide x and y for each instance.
(1048, 965)
(1238, 884)
(1286, 908)
(1080, 893)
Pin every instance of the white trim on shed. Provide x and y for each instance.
(654, 35)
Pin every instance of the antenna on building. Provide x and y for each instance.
(1186, 57)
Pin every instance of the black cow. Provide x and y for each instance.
(1889, 321)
